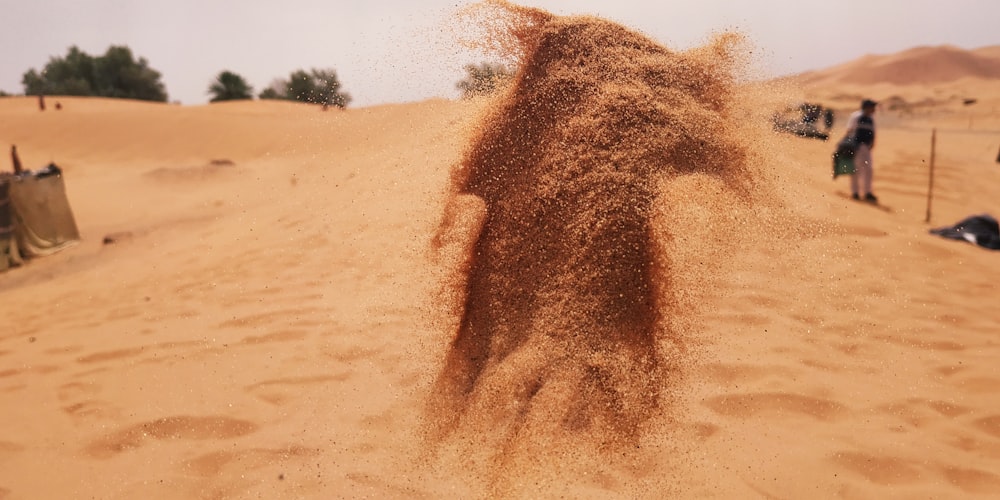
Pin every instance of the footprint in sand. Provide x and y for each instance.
(279, 391)
(879, 469)
(156, 353)
(751, 404)
(215, 463)
(279, 336)
(986, 386)
(69, 349)
(8, 449)
(116, 354)
(989, 425)
(88, 409)
(730, 373)
(973, 480)
(38, 369)
(921, 412)
(170, 428)
(268, 318)
(78, 398)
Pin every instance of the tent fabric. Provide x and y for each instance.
(981, 230)
(35, 219)
(843, 158)
(9, 255)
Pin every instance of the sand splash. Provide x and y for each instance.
(566, 296)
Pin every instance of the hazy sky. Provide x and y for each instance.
(403, 50)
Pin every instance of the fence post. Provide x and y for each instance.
(930, 182)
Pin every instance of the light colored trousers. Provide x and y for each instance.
(861, 181)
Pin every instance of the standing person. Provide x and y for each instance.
(861, 127)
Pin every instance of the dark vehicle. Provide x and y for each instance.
(805, 121)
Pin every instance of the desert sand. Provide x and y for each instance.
(273, 317)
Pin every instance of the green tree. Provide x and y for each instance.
(276, 90)
(115, 74)
(229, 86)
(120, 75)
(483, 79)
(319, 86)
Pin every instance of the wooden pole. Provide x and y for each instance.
(15, 160)
(930, 183)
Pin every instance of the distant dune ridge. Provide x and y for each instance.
(917, 66)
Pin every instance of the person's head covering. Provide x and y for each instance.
(868, 103)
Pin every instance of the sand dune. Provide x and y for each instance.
(993, 51)
(273, 324)
(920, 66)
(943, 78)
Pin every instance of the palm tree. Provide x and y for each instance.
(229, 86)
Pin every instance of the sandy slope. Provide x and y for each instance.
(270, 329)
(264, 318)
(856, 362)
